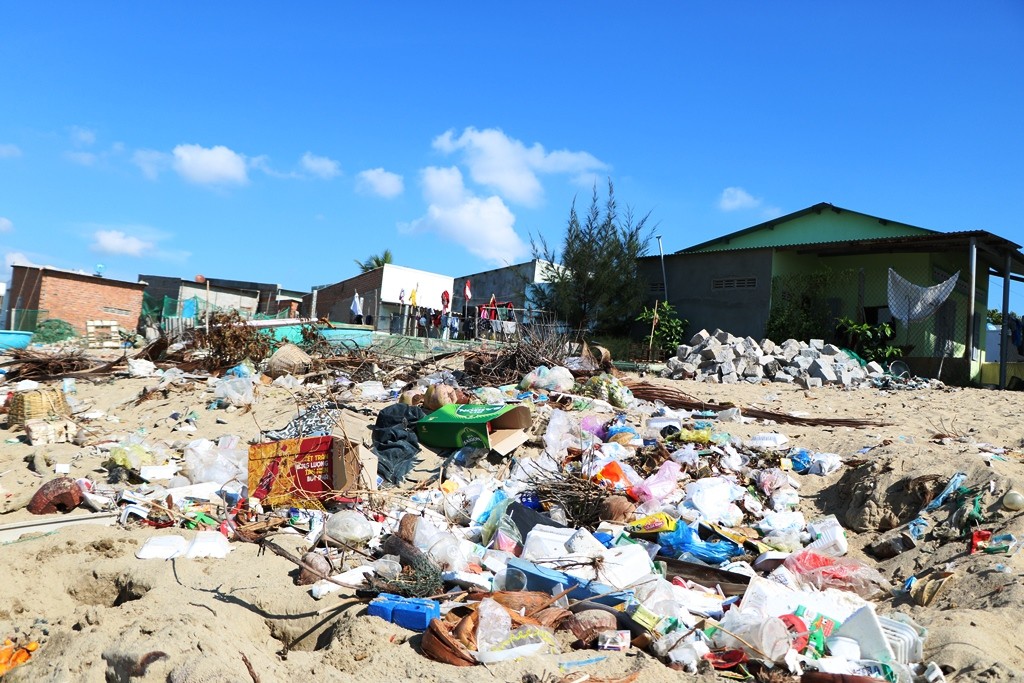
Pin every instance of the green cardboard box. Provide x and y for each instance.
(501, 428)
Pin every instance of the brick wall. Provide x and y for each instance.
(334, 301)
(76, 298)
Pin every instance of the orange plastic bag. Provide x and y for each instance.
(12, 655)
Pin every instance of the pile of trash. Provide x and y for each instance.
(566, 514)
(720, 357)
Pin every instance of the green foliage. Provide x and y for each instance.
(375, 261)
(800, 307)
(668, 331)
(595, 284)
(995, 317)
(870, 342)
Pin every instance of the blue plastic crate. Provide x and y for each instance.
(411, 613)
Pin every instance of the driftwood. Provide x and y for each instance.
(674, 398)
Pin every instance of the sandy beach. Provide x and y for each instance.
(101, 614)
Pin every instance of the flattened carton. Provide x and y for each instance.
(500, 428)
(294, 471)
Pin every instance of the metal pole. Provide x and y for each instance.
(973, 259)
(1004, 337)
(664, 278)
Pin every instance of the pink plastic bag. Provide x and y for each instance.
(659, 484)
(843, 573)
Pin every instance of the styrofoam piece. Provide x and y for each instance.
(583, 542)
(767, 440)
(546, 542)
(624, 565)
(353, 578)
(770, 559)
(162, 548)
(208, 544)
(158, 472)
(864, 627)
(204, 491)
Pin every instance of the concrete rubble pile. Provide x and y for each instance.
(722, 358)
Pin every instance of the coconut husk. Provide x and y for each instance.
(516, 601)
(315, 561)
(552, 617)
(407, 527)
(587, 624)
(440, 645)
(465, 630)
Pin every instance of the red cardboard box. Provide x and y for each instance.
(294, 472)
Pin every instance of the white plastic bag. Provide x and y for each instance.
(493, 625)
(221, 462)
(238, 391)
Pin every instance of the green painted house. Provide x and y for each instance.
(834, 263)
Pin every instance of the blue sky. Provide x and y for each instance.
(259, 141)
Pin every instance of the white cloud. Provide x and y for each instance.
(380, 182)
(322, 167)
(443, 185)
(82, 136)
(8, 151)
(509, 167)
(119, 243)
(484, 227)
(81, 158)
(736, 199)
(210, 165)
(262, 163)
(151, 162)
(16, 258)
(6, 224)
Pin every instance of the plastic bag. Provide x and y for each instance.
(685, 540)
(237, 391)
(843, 573)
(609, 388)
(594, 425)
(660, 484)
(558, 435)
(349, 526)
(494, 625)
(287, 382)
(219, 462)
(140, 367)
(824, 463)
(686, 456)
(554, 379)
(713, 497)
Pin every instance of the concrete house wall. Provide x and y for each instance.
(703, 289)
(511, 283)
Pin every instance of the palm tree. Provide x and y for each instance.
(375, 261)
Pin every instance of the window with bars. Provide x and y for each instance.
(734, 283)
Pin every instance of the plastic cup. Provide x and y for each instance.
(510, 579)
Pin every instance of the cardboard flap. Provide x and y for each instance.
(504, 441)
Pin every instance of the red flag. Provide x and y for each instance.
(445, 299)
(467, 292)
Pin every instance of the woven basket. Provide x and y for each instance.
(289, 359)
(37, 404)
